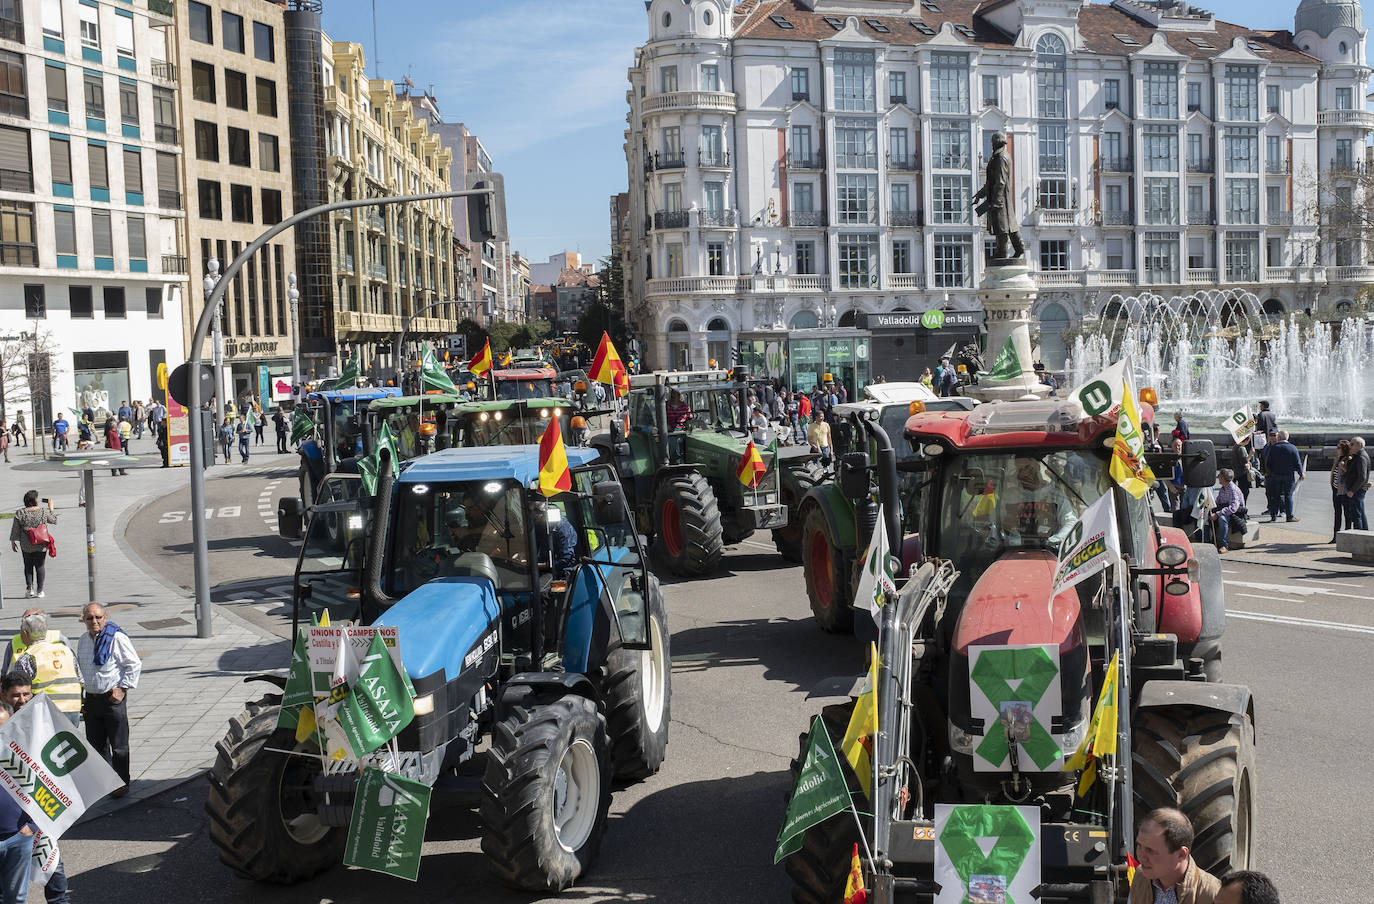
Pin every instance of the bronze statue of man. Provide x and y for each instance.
(998, 197)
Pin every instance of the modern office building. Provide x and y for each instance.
(231, 54)
(92, 248)
(796, 163)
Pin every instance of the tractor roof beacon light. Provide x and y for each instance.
(1149, 396)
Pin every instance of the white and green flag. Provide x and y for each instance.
(1014, 691)
(986, 853)
(370, 466)
(877, 573)
(1100, 396)
(302, 424)
(387, 829)
(1008, 363)
(1241, 424)
(49, 769)
(45, 858)
(349, 378)
(378, 704)
(1090, 546)
(820, 793)
(432, 375)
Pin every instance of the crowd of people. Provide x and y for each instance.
(1167, 872)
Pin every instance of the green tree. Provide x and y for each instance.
(607, 312)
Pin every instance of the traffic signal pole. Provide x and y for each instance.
(201, 552)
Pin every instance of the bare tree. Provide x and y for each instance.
(28, 364)
(1340, 207)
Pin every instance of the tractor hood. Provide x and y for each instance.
(719, 453)
(441, 621)
(1009, 605)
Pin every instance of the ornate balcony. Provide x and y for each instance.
(1121, 164)
(1279, 217)
(909, 162)
(718, 101)
(1278, 167)
(1205, 165)
(717, 160)
(1201, 218)
(1360, 119)
(815, 162)
(1118, 218)
(173, 263)
(670, 219)
(905, 218)
(717, 218)
(806, 218)
(1200, 277)
(1061, 277)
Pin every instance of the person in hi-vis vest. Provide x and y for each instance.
(49, 659)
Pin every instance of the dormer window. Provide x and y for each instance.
(1127, 40)
(923, 28)
(781, 22)
(834, 22)
(877, 26)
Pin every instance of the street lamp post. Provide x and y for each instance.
(217, 342)
(293, 295)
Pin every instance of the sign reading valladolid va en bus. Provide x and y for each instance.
(925, 320)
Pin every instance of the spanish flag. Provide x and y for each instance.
(507, 359)
(863, 727)
(1132, 865)
(1100, 739)
(751, 466)
(554, 476)
(854, 891)
(609, 369)
(481, 362)
(1128, 467)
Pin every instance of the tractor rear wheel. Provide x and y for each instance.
(687, 523)
(637, 693)
(1200, 761)
(819, 870)
(788, 539)
(546, 791)
(827, 580)
(262, 805)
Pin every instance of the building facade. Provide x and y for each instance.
(796, 163)
(92, 242)
(234, 120)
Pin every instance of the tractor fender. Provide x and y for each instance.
(1235, 699)
(566, 682)
(1212, 592)
(1184, 615)
(837, 511)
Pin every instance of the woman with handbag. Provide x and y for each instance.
(29, 535)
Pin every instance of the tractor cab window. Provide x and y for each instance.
(608, 532)
(713, 409)
(516, 426)
(405, 427)
(331, 560)
(524, 389)
(347, 435)
(642, 409)
(462, 529)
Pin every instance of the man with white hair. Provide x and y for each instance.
(1355, 484)
(1285, 470)
(50, 663)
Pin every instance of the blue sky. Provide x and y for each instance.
(542, 83)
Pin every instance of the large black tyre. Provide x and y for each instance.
(827, 580)
(637, 693)
(261, 806)
(1200, 761)
(546, 791)
(687, 524)
(818, 871)
(788, 540)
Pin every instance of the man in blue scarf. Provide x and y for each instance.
(110, 667)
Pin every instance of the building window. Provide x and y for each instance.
(1111, 150)
(1161, 202)
(79, 299)
(202, 28)
(710, 77)
(138, 241)
(1196, 203)
(1050, 88)
(715, 258)
(1054, 254)
(164, 115)
(856, 144)
(102, 239)
(1242, 90)
(90, 26)
(672, 197)
(1161, 91)
(858, 258)
(269, 158)
(673, 260)
(949, 144)
(133, 170)
(854, 81)
(990, 98)
(949, 82)
(1197, 252)
(271, 206)
(115, 308)
(1194, 96)
(1111, 93)
(803, 198)
(672, 145)
(231, 31)
(1161, 149)
(152, 301)
(1194, 151)
(60, 151)
(1053, 158)
(1161, 258)
(94, 86)
(1116, 260)
(64, 225)
(1273, 198)
(1242, 201)
(1343, 99)
(805, 254)
(715, 199)
(239, 152)
(264, 47)
(901, 257)
(207, 141)
(267, 97)
(953, 257)
(901, 196)
(896, 87)
(712, 146)
(35, 303)
(1271, 98)
(1111, 199)
(14, 96)
(1273, 151)
(128, 102)
(857, 197)
(1053, 193)
(202, 82)
(898, 147)
(99, 166)
(667, 79)
(950, 199)
(207, 191)
(52, 18)
(1242, 257)
(801, 145)
(801, 84)
(1242, 150)
(235, 89)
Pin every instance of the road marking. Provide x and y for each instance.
(1268, 599)
(767, 546)
(1298, 590)
(228, 511)
(1325, 583)
(1300, 622)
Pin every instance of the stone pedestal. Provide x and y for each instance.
(1007, 293)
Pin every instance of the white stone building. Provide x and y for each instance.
(91, 224)
(794, 164)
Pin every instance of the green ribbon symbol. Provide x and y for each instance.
(1036, 670)
(969, 823)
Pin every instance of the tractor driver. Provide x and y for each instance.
(678, 411)
(1034, 510)
(561, 537)
(485, 525)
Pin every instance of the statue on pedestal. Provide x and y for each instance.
(998, 197)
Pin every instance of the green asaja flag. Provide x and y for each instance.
(1008, 363)
(379, 704)
(387, 828)
(298, 689)
(302, 424)
(820, 793)
(349, 378)
(432, 374)
(371, 466)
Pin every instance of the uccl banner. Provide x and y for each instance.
(1090, 546)
(49, 769)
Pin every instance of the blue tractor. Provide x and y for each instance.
(527, 622)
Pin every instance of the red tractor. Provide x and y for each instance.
(980, 509)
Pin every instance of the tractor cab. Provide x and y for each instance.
(531, 381)
(438, 421)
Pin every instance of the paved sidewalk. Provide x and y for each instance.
(190, 687)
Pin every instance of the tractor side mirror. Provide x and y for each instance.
(608, 503)
(1199, 463)
(290, 518)
(853, 476)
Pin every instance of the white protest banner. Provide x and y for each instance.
(324, 646)
(986, 854)
(1014, 690)
(1091, 545)
(877, 575)
(45, 858)
(1241, 424)
(1101, 395)
(49, 769)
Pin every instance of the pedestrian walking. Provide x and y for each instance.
(1266, 425)
(1284, 471)
(156, 416)
(126, 434)
(21, 430)
(279, 424)
(16, 827)
(108, 662)
(137, 421)
(5, 439)
(29, 536)
(113, 442)
(226, 437)
(1356, 484)
(244, 433)
(1338, 466)
(59, 432)
(259, 425)
(818, 435)
(949, 379)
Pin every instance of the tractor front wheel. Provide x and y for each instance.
(818, 871)
(637, 693)
(546, 792)
(262, 804)
(687, 523)
(1200, 761)
(799, 482)
(827, 580)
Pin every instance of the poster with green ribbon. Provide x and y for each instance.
(986, 854)
(387, 829)
(1014, 690)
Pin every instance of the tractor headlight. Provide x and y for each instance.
(423, 706)
(1171, 555)
(961, 741)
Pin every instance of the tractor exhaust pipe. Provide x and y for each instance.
(381, 517)
(886, 467)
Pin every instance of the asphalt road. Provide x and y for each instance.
(745, 655)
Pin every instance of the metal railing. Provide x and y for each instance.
(661, 160)
(717, 218)
(1120, 164)
(909, 162)
(905, 218)
(814, 162)
(1054, 163)
(802, 95)
(670, 219)
(1279, 217)
(896, 99)
(173, 263)
(806, 218)
(1355, 167)
(706, 158)
(163, 71)
(1117, 218)
(1201, 218)
(1277, 166)
(16, 180)
(1204, 165)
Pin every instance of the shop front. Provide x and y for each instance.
(905, 343)
(802, 357)
(258, 370)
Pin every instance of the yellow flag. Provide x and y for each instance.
(863, 727)
(1100, 739)
(324, 619)
(1128, 466)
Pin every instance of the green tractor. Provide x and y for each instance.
(678, 456)
(432, 423)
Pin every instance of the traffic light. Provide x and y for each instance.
(487, 212)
